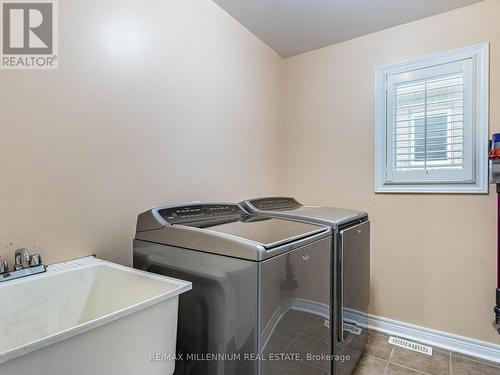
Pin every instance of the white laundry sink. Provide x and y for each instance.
(89, 317)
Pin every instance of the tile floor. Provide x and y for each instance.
(383, 358)
(302, 334)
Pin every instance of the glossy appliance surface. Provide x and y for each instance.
(261, 287)
(350, 269)
(287, 207)
(225, 229)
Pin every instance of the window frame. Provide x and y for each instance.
(479, 56)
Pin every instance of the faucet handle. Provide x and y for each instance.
(35, 260)
(4, 267)
(22, 258)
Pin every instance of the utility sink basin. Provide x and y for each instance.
(89, 316)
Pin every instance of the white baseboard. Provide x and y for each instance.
(459, 344)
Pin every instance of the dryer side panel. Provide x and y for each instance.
(353, 294)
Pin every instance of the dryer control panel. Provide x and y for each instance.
(274, 203)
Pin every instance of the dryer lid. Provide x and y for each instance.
(286, 207)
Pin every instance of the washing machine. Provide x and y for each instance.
(350, 270)
(260, 302)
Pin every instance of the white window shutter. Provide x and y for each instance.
(429, 134)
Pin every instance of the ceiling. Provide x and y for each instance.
(291, 27)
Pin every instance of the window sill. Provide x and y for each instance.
(433, 188)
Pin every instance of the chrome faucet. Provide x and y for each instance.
(4, 266)
(22, 259)
(24, 265)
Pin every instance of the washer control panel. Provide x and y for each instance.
(198, 212)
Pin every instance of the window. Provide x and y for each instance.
(430, 139)
(431, 124)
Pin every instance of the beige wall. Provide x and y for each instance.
(176, 101)
(433, 256)
(154, 102)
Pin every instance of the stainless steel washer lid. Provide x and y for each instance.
(225, 229)
(269, 233)
(290, 208)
